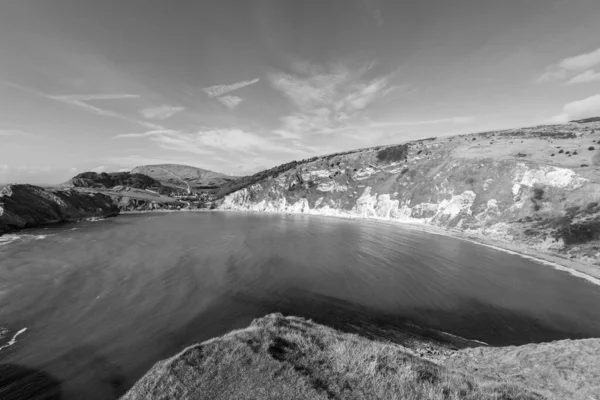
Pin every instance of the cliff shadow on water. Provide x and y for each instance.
(18, 382)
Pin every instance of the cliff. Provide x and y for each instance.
(28, 206)
(535, 188)
(291, 358)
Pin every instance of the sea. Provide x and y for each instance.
(87, 308)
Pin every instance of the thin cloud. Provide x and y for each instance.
(12, 132)
(145, 134)
(161, 112)
(577, 69)
(91, 97)
(219, 90)
(81, 102)
(582, 61)
(326, 99)
(378, 17)
(451, 120)
(585, 77)
(212, 141)
(99, 169)
(230, 101)
(585, 108)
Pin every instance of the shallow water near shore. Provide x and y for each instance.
(94, 305)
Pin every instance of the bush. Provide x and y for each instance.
(596, 158)
(591, 148)
(394, 153)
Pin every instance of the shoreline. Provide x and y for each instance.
(573, 268)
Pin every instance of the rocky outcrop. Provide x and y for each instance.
(536, 187)
(281, 357)
(27, 206)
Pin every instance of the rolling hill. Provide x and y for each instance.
(184, 176)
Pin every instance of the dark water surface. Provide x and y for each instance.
(101, 302)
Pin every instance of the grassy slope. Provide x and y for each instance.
(545, 217)
(566, 369)
(290, 358)
(177, 175)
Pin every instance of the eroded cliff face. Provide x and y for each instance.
(27, 206)
(509, 186)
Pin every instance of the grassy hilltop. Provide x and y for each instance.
(291, 358)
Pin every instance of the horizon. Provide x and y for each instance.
(238, 87)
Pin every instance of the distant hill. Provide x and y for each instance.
(586, 120)
(110, 180)
(184, 176)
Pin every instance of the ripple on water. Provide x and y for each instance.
(7, 239)
(4, 334)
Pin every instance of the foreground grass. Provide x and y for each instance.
(290, 358)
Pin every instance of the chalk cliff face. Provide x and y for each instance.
(538, 186)
(27, 206)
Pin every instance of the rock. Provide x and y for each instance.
(28, 206)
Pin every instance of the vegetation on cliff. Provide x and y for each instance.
(291, 358)
(110, 180)
(27, 206)
(533, 187)
(184, 176)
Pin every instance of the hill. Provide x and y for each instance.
(184, 176)
(130, 191)
(28, 206)
(112, 179)
(291, 358)
(534, 190)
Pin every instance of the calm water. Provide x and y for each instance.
(103, 301)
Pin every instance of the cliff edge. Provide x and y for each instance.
(28, 206)
(281, 357)
(531, 189)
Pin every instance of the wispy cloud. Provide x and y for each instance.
(581, 61)
(156, 132)
(92, 97)
(161, 112)
(13, 132)
(99, 169)
(378, 17)
(398, 124)
(326, 99)
(585, 77)
(81, 101)
(585, 108)
(219, 90)
(577, 69)
(230, 101)
(212, 141)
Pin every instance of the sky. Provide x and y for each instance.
(237, 86)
